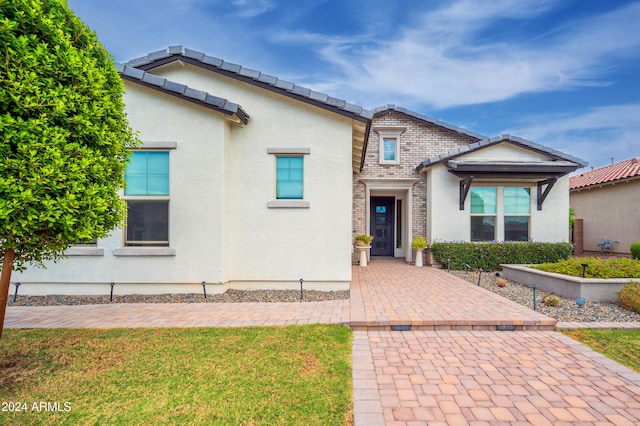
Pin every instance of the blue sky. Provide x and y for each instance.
(562, 73)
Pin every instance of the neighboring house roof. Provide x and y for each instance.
(428, 120)
(257, 78)
(560, 157)
(182, 91)
(625, 170)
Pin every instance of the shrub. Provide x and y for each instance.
(635, 250)
(629, 297)
(621, 267)
(551, 300)
(419, 243)
(489, 256)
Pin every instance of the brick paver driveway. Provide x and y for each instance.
(452, 365)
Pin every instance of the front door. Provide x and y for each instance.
(381, 226)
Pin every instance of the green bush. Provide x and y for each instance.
(489, 256)
(635, 250)
(621, 267)
(629, 297)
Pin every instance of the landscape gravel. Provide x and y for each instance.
(230, 296)
(566, 311)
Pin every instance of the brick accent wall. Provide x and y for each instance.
(420, 141)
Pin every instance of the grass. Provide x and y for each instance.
(622, 346)
(621, 267)
(240, 376)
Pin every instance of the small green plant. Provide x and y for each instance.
(419, 243)
(572, 218)
(635, 250)
(551, 300)
(366, 239)
(629, 297)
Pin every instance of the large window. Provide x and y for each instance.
(289, 177)
(483, 214)
(147, 197)
(517, 208)
(500, 213)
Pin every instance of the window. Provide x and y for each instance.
(289, 178)
(147, 197)
(389, 149)
(389, 144)
(483, 214)
(517, 208)
(509, 205)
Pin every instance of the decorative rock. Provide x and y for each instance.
(566, 311)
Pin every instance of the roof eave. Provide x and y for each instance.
(272, 84)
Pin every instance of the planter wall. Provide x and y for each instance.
(593, 289)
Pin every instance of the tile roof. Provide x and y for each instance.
(557, 155)
(269, 82)
(182, 91)
(386, 108)
(610, 174)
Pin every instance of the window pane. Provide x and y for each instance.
(136, 185)
(517, 200)
(483, 200)
(157, 185)
(483, 228)
(289, 177)
(158, 163)
(137, 163)
(148, 223)
(147, 174)
(516, 228)
(389, 149)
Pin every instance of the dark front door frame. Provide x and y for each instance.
(382, 223)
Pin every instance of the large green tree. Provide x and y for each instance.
(64, 136)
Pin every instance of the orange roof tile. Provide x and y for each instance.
(609, 174)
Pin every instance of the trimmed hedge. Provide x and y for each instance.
(635, 250)
(489, 256)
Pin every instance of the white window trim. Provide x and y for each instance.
(144, 251)
(389, 133)
(87, 250)
(289, 204)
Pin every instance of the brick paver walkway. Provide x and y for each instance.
(451, 367)
(124, 315)
(390, 292)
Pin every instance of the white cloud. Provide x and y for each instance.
(441, 60)
(251, 8)
(595, 135)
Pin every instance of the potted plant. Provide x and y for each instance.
(419, 243)
(363, 240)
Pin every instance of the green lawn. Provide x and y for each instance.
(622, 346)
(250, 376)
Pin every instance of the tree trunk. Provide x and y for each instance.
(5, 279)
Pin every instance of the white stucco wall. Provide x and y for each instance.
(196, 214)
(221, 179)
(446, 222)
